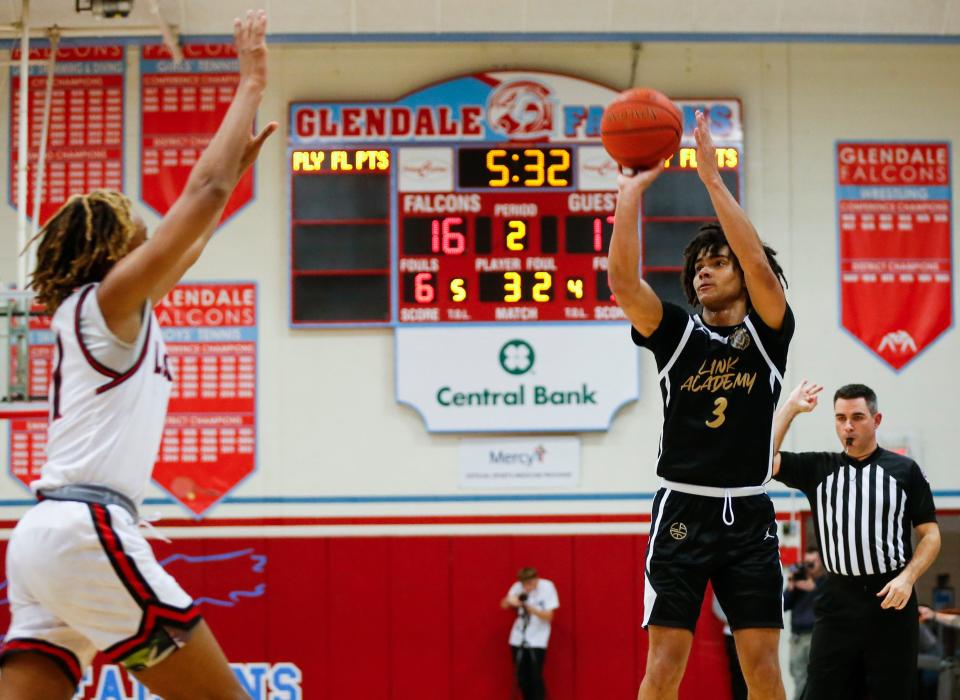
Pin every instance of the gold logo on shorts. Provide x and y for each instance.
(678, 531)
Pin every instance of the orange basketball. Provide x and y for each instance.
(640, 128)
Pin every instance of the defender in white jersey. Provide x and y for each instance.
(81, 577)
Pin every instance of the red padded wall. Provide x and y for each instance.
(395, 618)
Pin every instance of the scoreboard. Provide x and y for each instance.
(487, 198)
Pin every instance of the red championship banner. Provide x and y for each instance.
(85, 141)
(182, 106)
(209, 442)
(895, 245)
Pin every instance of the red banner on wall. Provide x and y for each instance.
(85, 141)
(182, 106)
(895, 245)
(209, 441)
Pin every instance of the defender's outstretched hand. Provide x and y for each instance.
(250, 38)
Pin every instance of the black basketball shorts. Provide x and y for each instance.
(691, 544)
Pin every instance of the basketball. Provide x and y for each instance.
(640, 128)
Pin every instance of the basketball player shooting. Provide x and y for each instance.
(720, 373)
(82, 578)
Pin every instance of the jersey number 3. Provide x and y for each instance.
(719, 406)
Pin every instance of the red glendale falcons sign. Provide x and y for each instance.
(182, 106)
(895, 245)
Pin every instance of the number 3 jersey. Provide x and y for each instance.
(720, 386)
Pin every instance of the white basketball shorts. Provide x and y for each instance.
(83, 579)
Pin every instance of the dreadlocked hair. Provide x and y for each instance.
(710, 240)
(80, 243)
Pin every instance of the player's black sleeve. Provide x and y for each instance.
(803, 470)
(919, 498)
(664, 340)
(776, 342)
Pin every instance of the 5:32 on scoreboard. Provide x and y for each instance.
(514, 239)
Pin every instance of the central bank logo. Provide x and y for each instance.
(517, 356)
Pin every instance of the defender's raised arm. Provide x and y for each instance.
(149, 272)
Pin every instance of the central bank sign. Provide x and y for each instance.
(516, 378)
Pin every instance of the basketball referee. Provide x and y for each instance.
(865, 500)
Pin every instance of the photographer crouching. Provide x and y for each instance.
(803, 589)
(535, 600)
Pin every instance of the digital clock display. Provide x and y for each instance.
(507, 256)
(521, 168)
(514, 254)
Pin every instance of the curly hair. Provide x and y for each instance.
(709, 241)
(80, 243)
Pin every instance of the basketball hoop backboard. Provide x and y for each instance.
(26, 356)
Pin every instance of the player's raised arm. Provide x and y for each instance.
(148, 272)
(637, 299)
(763, 285)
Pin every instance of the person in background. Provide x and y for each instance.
(535, 600)
(931, 664)
(804, 587)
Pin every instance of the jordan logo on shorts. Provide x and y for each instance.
(768, 536)
(678, 531)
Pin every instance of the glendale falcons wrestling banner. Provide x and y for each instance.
(893, 202)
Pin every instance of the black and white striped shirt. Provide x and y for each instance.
(863, 509)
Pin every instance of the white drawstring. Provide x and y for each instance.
(727, 506)
(148, 525)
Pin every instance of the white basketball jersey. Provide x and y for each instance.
(105, 422)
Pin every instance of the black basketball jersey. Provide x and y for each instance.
(720, 386)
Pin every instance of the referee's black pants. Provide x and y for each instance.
(860, 650)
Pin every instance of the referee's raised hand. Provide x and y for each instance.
(804, 397)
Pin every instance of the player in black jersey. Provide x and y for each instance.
(720, 375)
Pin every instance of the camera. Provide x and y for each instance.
(523, 597)
(798, 572)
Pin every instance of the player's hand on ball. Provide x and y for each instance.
(636, 182)
(805, 396)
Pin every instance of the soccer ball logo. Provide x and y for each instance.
(521, 110)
